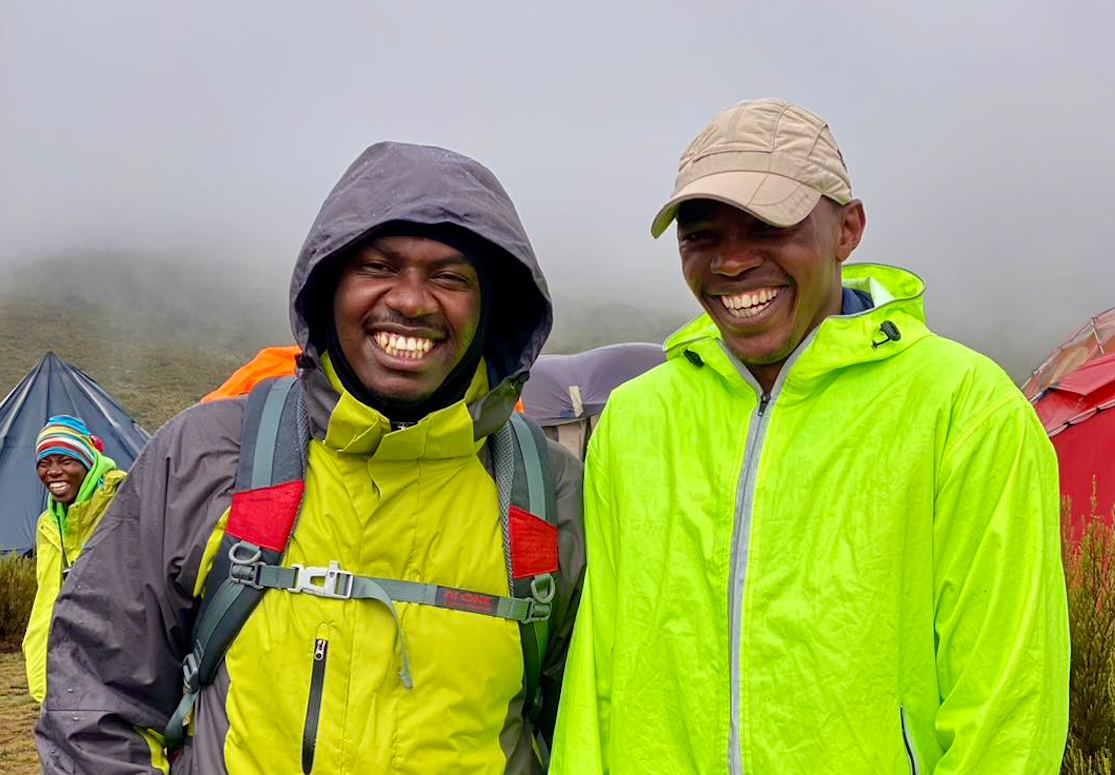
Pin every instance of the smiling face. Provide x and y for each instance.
(766, 287)
(406, 310)
(62, 476)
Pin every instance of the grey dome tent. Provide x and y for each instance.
(52, 387)
(566, 393)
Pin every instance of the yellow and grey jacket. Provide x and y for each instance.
(58, 542)
(416, 504)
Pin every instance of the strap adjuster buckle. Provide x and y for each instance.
(335, 583)
(248, 575)
(244, 564)
(537, 611)
(190, 667)
(542, 591)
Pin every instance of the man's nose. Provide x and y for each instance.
(736, 257)
(410, 296)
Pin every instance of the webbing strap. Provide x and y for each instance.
(340, 584)
(531, 445)
(532, 465)
(225, 596)
(215, 622)
(268, 431)
(267, 428)
(175, 732)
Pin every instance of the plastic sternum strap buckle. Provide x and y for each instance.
(542, 590)
(335, 583)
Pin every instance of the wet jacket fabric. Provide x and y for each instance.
(62, 531)
(857, 573)
(417, 504)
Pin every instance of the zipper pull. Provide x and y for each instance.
(764, 400)
(320, 645)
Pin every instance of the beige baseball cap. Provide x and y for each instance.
(769, 157)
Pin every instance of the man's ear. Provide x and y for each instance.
(852, 222)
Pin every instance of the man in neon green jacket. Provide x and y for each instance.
(821, 538)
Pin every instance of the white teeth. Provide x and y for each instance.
(751, 303)
(58, 487)
(411, 347)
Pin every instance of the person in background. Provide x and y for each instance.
(80, 481)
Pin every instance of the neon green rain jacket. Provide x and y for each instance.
(62, 532)
(857, 573)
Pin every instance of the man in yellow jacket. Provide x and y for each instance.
(821, 538)
(387, 633)
(80, 482)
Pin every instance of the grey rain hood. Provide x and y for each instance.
(399, 182)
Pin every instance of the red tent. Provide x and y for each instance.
(1072, 392)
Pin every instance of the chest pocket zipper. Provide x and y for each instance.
(313, 706)
(908, 741)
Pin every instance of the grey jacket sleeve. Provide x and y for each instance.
(568, 480)
(123, 622)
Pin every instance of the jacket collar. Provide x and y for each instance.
(356, 428)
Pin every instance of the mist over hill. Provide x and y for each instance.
(158, 332)
(155, 332)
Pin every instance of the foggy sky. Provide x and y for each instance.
(979, 133)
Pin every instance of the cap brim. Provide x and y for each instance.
(775, 199)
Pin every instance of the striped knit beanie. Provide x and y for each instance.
(66, 435)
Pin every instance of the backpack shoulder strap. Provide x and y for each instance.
(527, 499)
(265, 503)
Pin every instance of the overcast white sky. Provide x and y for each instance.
(980, 133)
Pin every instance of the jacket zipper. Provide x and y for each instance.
(745, 492)
(313, 708)
(741, 534)
(908, 741)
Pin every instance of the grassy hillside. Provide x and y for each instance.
(157, 335)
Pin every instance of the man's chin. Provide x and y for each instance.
(761, 357)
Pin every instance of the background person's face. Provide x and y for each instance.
(765, 287)
(62, 476)
(406, 310)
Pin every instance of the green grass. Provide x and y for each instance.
(1090, 576)
(17, 593)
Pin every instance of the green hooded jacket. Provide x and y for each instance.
(61, 533)
(857, 573)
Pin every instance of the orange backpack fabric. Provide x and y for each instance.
(268, 362)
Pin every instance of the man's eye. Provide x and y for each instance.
(696, 235)
(452, 278)
(376, 267)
